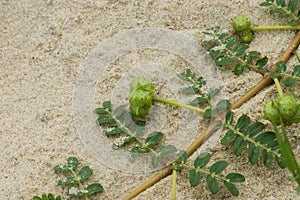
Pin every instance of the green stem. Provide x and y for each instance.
(128, 132)
(174, 185)
(263, 28)
(175, 103)
(279, 89)
(189, 167)
(286, 150)
(247, 138)
(81, 187)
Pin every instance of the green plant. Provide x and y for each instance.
(73, 181)
(226, 50)
(47, 197)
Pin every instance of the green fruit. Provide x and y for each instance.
(241, 23)
(287, 107)
(140, 99)
(296, 118)
(247, 38)
(271, 113)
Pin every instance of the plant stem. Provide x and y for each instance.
(175, 103)
(79, 183)
(279, 89)
(286, 150)
(265, 28)
(174, 184)
(210, 129)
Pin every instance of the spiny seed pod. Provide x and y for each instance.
(271, 113)
(287, 107)
(241, 23)
(247, 38)
(140, 99)
(284, 107)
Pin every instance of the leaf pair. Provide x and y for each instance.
(197, 83)
(286, 9)
(75, 180)
(212, 177)
(288, 79)
(247, 135)
(226, 49)
(49, 196)
(120, 122)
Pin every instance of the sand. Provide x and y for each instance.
(45, 48)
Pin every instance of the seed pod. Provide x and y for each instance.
(271, 113)
(287, 107)
(241, 23)
(296, 118)
(247, 38)
(140, 99)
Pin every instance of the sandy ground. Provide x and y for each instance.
(42, 46)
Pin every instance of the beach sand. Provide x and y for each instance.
(45, 48)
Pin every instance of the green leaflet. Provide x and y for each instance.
(74, 181)
(47, 197)
(218, 167)
(202, 160)
(247, 135)
(194, 177)
(212, 184)
(231, 188)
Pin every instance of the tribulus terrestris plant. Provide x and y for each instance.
(229, 49)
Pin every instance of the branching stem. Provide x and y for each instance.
(175, 103)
